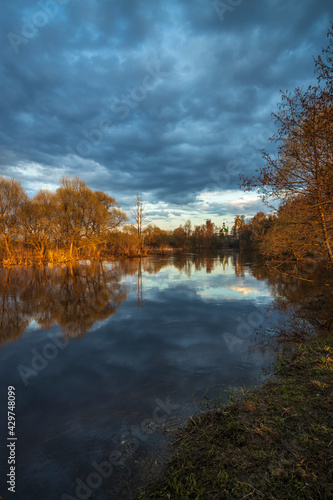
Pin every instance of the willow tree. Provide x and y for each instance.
(301, 171)
(12, 196)
(81, 215)
(38, 221)
(116, 216)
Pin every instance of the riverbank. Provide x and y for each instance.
(276, 443)
(25, 259)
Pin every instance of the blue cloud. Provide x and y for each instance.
(156, 97)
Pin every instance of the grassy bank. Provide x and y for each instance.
(277, 443)
(29, 257)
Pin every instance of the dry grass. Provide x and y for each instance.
(28, 257)
(275, 444)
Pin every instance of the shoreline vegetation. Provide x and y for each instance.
(75, 223)
(276, 442)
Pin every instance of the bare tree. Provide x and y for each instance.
(140, 215)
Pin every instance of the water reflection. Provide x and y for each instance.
(74, 298)
(148, 329)
(307, 301)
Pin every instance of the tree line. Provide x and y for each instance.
(76, 223)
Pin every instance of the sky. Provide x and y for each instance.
(170, 99)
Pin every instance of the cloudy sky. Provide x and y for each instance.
(170, 99)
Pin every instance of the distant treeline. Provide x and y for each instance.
(78, 223)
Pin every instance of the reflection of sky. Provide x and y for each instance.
(221, 284)
(176, 344)
(228, 292)
(33, 325)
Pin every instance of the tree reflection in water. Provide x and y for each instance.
(74, 297)
(175, 346)
(308, 301)
(13, 320)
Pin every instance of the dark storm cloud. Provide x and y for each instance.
(167, 98)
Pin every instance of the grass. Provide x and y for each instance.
(29, 257)
(274, 443)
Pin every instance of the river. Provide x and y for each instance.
(105, 357)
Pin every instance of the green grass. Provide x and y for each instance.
(274, 443)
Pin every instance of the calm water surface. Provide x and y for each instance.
(103, 356)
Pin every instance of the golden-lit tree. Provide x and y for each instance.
(155, 236)
(292, 235)
(238, 226)
(254, 231)
(12, 196)
(116, 216)
(82, 217)
(39, 221)
(301, 172)
(179, 237)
